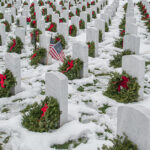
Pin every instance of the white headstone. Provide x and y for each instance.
(57, 87)
(80, 51)
(134, 121)
(12, 63)
(134, 65)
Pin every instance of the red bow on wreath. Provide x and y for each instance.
(57, 39)
(123, 83)
(2, 78)
(13, 45)
(80, 22)
(70, 29)
(60, 20)
(51, 26)
(44, 109)
(34, 13)
(70, 66)
(123, 31)
(47, 18)
(34, 55)
(29, 19)
(33, 22)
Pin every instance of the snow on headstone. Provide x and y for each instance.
(134, 65)
(57, 87)
(131, 28)
(23, 22)
(12, 63)
(134, 121)
(80, 51)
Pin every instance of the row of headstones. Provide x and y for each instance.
(57, 83)
(131, 40)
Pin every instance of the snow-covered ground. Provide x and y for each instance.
(91, 120)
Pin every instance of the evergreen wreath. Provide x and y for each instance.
(57, 12)
(8, 5)
(64, 8)
(1, 16)
(61, 3)
(31, 10)
(123, 88)
(77, 11)
(41, 3)
(33, 24)
(119, 43)
(15, 45)
(33, 15)
(100, 36)
(122, 24)
(121, 143)
(98, 10)
(70, 15)
(2, 3)
(91, 47)
(44, 11)
(37, 120)
(61, 20)
(83, 8)
(12, 18)
(52, 27)
(37, 56)
(35, 34)
(116, 62)
(106, 27)
(25, 3)
(109, 21)
(71, 68)
(72, 30)
(93, 3)
(122, 33)
(88, 18)
(48, 18)
(9, 83)
(88, 5)
(7, 25)
(0, 40)
(82, 24)
(61, 38)
(93, 14)
(125, 7)
(32, 5)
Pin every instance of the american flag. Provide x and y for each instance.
(56, 50)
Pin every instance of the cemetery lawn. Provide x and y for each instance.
(90, 114)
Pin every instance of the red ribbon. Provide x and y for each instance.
(47, 18)
(89, 46)
(87, 4)
(14, 44)
(34, 13)
(70, 66)
(123, 83)
(28, 19)
(123, 31)
(33, 22)
(44, 109)
(70, 30)
(60, 20)
(57, 39)
(2, 78)
(32, 5)
(34, 55)
(51, 26)
(80, 22)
